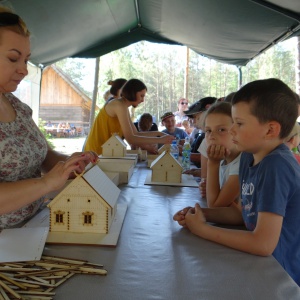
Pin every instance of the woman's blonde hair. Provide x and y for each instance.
(19, 28)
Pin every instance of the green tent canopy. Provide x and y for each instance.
(230, 31)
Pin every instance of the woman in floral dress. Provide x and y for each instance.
(24, 152)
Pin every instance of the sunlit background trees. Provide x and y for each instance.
(163, 69)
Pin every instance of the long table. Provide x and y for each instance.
(157, 259)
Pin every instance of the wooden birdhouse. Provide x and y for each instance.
(87, 205)
(165, 168)
(114, 147)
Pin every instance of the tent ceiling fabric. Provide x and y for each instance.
(230, 31)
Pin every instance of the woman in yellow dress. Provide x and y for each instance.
(114, 118)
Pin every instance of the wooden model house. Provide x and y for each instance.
(165, 168)
(87, 205)
(114, 147)
(124, 167)
(152, 157)
(163, 148)
(142, 154)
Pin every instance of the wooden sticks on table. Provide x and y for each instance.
(38, 279)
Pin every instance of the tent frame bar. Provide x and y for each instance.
(278, 9)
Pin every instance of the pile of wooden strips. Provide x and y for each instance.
(38, 279)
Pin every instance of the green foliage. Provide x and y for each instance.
(277, 62)
(48, 136)
(75, 69)
(163, 67)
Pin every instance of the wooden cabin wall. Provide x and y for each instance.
(60, 102)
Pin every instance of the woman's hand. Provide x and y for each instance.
(60, 173)
(89, 156)
(152, 148)
(159, 133)
(194, 172)
(167, 139)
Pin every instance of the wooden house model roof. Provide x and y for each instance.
(166, 155)
(100, 183)
(165, 147)
(114, 138)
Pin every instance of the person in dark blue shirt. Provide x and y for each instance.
(145, 123)
(264, 113)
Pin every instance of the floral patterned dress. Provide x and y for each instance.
(23, 149)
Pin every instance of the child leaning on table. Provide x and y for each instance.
(222, 181)
(264, 112)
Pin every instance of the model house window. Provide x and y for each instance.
(59, 217)
(87, 218)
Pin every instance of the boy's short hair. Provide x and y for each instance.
(295, 131)
(229, 97)
(146, 117)
(166, 116)
(223, 108)
(270, 100)
(131, 87)
(145, 122)
(200, 106)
